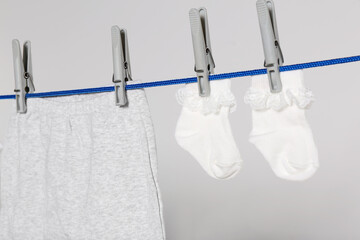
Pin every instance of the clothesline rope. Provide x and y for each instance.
(190, 79)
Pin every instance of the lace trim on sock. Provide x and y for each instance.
(190, 99)
(262, 100)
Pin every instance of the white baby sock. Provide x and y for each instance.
(203, 128)
(280, 129)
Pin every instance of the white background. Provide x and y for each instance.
(71, 48)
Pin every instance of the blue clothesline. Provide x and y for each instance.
(189, 80)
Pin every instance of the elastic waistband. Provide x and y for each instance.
(86, 103)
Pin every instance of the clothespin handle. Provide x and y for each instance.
(27, 62)
(24, 82)
(204, 62)
(121, 64)
(271, 44)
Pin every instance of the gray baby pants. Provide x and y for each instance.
(79, 167)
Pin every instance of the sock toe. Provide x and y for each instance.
(295, 171)
(226, 170)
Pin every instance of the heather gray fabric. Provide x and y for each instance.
(78, 167)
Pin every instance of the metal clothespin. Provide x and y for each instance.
(270, 38)
(121, 64)
(204, 62)
(24, 79)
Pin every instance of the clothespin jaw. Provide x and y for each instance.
(271, 44)
(204, 62)
(121, 64)
(24, 81)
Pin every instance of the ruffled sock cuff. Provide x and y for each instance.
(259, 96)
(221, 96)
